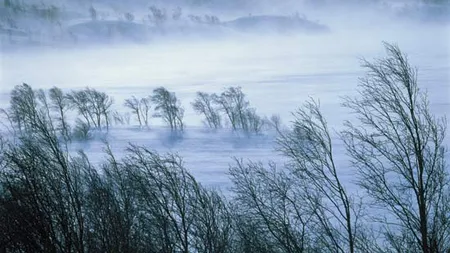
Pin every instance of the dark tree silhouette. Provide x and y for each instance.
(169, 108)
(397, 147)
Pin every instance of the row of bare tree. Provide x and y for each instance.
(51, 201)
(94, 110)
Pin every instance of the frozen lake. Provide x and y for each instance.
(277, 73)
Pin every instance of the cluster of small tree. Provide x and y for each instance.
(234, 107)
(167, 107)
(52, 201)
(206, 19)
(160, 16)
(230, 106)
(94, 110)
(141, 108)
(144, 202)
(29, 106)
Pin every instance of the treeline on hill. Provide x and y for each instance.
(53, 201)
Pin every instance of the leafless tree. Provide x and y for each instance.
(60, 104)
(204, 104)
(304, 206)
(178, 214)
(39, 180)
(397, 145)
(112, 210)
(23, 107)
(268, 209)
(238, 111)
(253, 122)
(93, 105)
(140, 107)
(232, 102)
(309, 148)
(212, 228)
(145, 105)
(133, 104)
(169, 108)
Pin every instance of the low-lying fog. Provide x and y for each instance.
(277, 72)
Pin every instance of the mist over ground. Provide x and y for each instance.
(280, 54)
(213, 126)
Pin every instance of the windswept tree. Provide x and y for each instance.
(233, 103)
(112, 213)
(176, 212)
(397, 145)
(205, 104)
(312, 162)
(303, 206)
(23, 107)
(94, 106)
(268, 211)
(238, 111)
(60, 105)
(169, 108)
(253, 122)
(41, 191)
(140, 107)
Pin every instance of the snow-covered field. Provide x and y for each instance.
(277, 73)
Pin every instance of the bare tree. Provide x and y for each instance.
(169, 108)
(39, 180)
(204, 104)
(23, 107)
(397, 147)
(238, 111)
(253, 122)
(79, 101)
(232, 102)
(140, 107)
(178, 214)
(145, 107)
(309, 148)
(112, 210)
(93, 105)
(60, 105)
(268, 209)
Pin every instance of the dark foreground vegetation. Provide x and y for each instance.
(53, 201)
